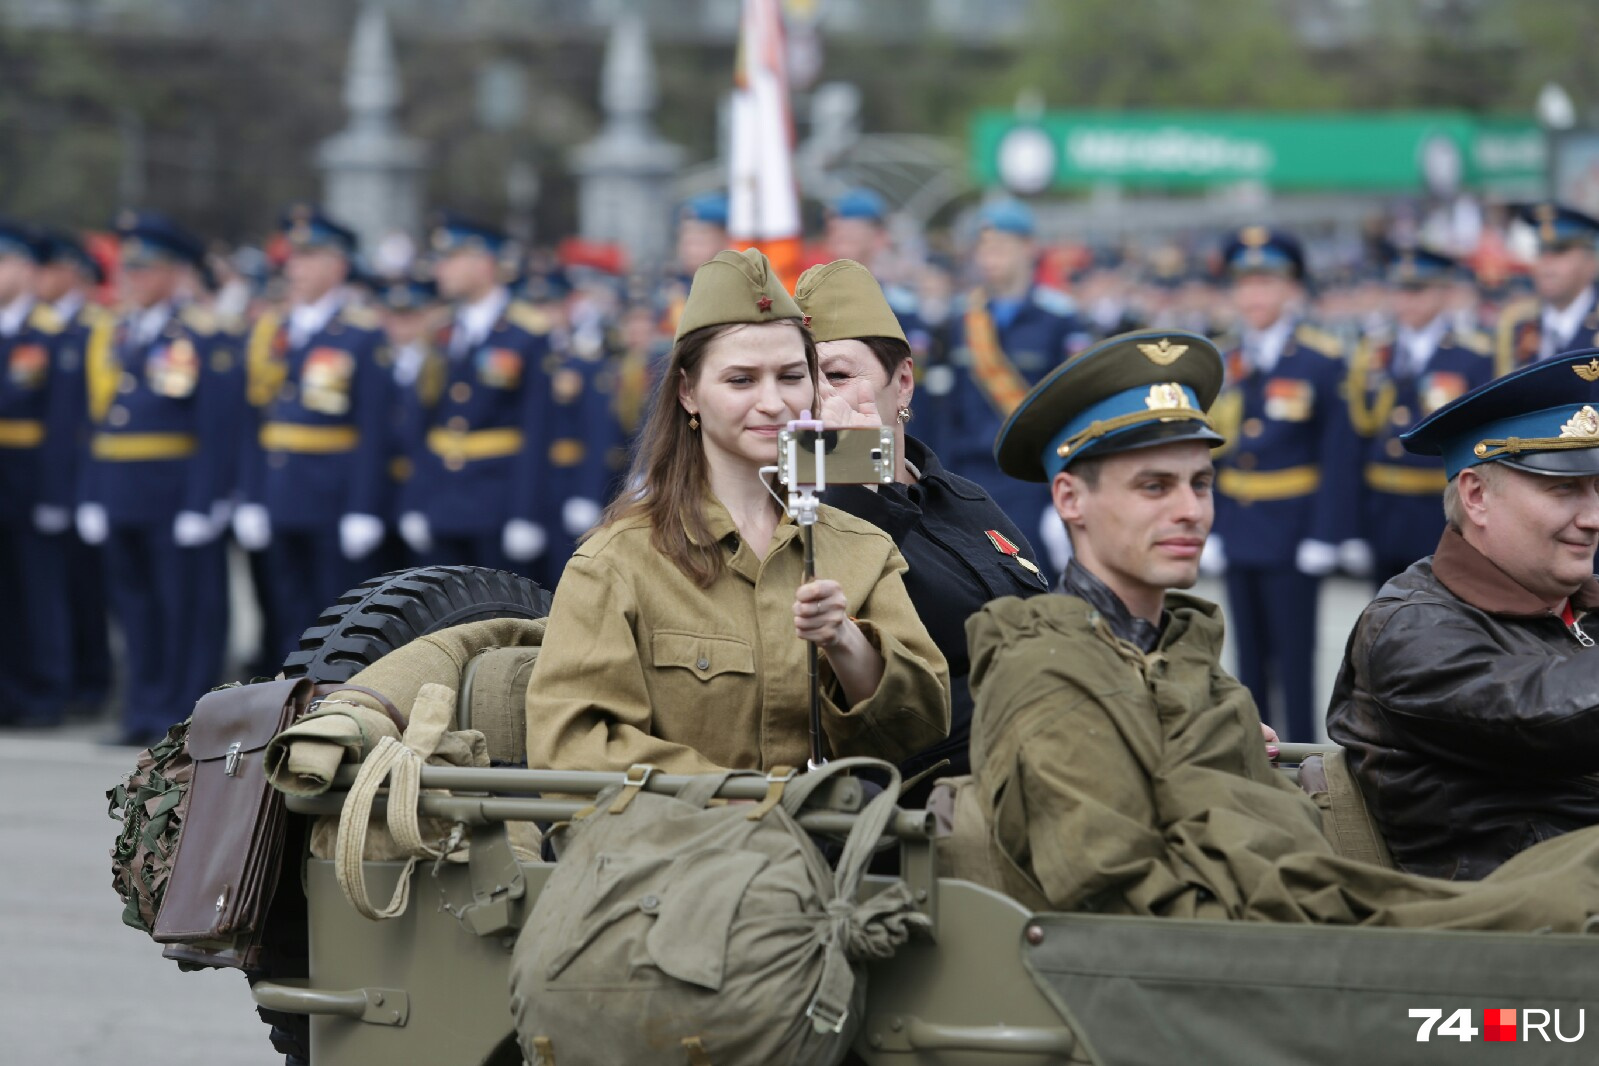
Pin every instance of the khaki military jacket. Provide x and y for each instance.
(641, 665)
(1112, 780)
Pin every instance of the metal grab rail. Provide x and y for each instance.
(376, 1006)
(909, 1033)
(474, 810)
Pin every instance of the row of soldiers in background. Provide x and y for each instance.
(467, 418)
(333, 437)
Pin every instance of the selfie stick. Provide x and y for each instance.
(803, 506)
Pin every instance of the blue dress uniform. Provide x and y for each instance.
(86, 335)
(1287, 481)
(998, 349)
(1521, 337)
(320, 453)
(579, 432)
(476, 411)
(38, 405)
(1395, 382)
(166, 406)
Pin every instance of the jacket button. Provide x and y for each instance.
(703, 663)
(1246, 461)
(117, 416)
(650, 904)
(1253, 427)
(127, 383)
(460, 392)
(457, 424)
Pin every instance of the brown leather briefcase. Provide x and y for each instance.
(230, 851)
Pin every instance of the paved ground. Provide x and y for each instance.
(77, 987)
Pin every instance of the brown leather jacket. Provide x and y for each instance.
(1471, 714)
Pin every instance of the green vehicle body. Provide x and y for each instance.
(992, 984)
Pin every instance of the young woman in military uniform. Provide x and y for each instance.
(962, 549)
(677, 635)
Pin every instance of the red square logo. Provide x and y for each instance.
(1499, 1024)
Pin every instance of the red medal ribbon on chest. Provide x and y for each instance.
(1001, 543)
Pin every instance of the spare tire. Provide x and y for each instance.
(382, 614)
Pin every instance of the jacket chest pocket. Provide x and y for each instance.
(704, 657)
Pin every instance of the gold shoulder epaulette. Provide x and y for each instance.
(528, 317)
(95, 314)
(44, 318)
(1321, 341)
(199, 319)
(1519, 311)
(361, 317)
(1474, 340)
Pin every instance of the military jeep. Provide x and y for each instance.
(992, 983)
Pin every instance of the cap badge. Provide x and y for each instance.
(1583, 425)
(1163, 354)
(1254, 235)
(1166, 396)
(1588, 371)
(1547, 212)
(764, 303)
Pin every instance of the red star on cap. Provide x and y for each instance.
(764, 303)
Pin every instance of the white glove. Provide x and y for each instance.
(1355, 558)
(51, 519)
(415, 532)
(92, 523)
(523, 540)
(252, 528)
(578, 515)
(359, 534)
(190, 529)
(1212, 560)
(1056, 541)
(1315, 558)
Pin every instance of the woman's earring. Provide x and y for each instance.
(904, 414)
(693, 421)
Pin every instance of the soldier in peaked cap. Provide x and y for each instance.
(477, 413)
(165, 404)
(1287, 488)
(1076, 688)
(1564, 316)
(1010, 333)
(1469, 693)
(66, 282)
(1396, 378)
(314, 471)
(40, 390)
(1116, 766)
(677, 636)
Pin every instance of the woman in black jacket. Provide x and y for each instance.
(962, 549)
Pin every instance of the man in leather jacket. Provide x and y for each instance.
(1469, 694)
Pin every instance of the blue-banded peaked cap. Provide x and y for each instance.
(1134, 390)
(1264, 250)
(21, 240)
(1414, 267)
(861, 203)
(1007, 216)
(1558, 226)
(453, 232)
(149, 235)
(63, 246)
(709, 207)
(1543, 419)
(307, 226)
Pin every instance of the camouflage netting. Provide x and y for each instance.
(150, 802)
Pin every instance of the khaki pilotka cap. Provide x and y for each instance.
(844, 302)
(735, 287)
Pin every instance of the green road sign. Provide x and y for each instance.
(1369, 152)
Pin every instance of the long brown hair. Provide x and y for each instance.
(669, 477)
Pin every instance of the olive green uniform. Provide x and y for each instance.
(641, 665)
(1129, 783)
